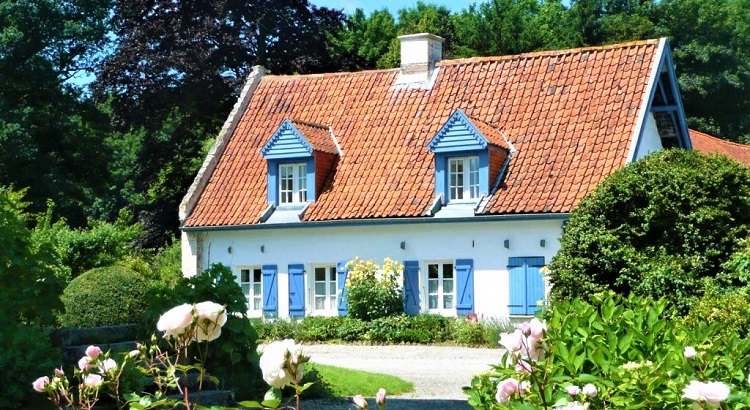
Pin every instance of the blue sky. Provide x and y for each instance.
(392, 5)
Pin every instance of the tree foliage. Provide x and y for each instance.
(657, 227)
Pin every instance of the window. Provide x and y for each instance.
(292, 183)
(463, 178)
(250, 282)
(324, 289)
(440, 285)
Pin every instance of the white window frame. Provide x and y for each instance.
(440, 294)
(298, 179)
(252, 289)
(468, 189)
(331, 290)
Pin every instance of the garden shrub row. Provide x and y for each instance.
(420, 329)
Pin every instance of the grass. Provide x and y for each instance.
(341, 382)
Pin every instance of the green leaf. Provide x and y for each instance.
(587, 378)
(251, 404)
(272, 394)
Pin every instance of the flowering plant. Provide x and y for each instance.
(97, 372)
(374, 291)
(615, 352)
(283, 364)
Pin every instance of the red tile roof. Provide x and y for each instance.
(319, 136)
(570, 114)
(711, 145)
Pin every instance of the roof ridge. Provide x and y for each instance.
(548, 53)
(739, 144)
(272, 77)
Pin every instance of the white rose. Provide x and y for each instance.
(176, 320)
(273, 362)
(108, 365)
(211, 317)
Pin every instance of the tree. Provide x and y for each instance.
(657, 227)
(712, 60)
(49, 136)
(173, 75)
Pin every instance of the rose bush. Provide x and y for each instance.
(615, 352)
(374, 291)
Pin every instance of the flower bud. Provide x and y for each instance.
(690, 352)
(380, 398)
(93, 351)
(40, 384)
(360, 402)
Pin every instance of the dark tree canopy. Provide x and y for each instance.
(656, 227)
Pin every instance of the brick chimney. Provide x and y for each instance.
(419, 53)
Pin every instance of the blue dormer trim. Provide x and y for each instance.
(273, 178)
(286, 142)
(457, 134)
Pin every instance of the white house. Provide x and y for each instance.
(464, 170)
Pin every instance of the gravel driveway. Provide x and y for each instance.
(438, 372)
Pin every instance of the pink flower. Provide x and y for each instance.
(590, 390)
(85, 364)
(176, 320)
(108, 365)
(690, 352)
(525, 328)
(523, 367)
(59, 373)
(359, 401)
(41, 383)
(712, 393)
(513, 342)
(93, 351)
(573, 390)
(92, 380)
(538, 328)
(380, 398)
(505, 389)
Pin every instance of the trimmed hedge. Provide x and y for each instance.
(105, 296)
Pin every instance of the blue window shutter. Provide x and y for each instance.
(270, 285)
(465, 286)
(534, 284)
(296, 290)
(517, 273)
(341, 272)
(411, 287)
(526, 285)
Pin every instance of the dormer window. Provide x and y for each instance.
(292, 183)
(463, 174)
(300, 156)
(469, 157)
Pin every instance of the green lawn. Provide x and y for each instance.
(341, 382)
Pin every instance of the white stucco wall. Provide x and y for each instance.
(481, 241)
(650, 140)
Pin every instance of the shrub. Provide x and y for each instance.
(471, 332)
(352, 330)
(318, 328)
(440, 328)
(374, 292)
(25, 353)
(730, 311)
(105, 296)
(629, 349)
(656, 227)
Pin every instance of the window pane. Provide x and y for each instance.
(245, 275)
(245, 289)
(432, 286)
(432, 271)
(448, 286)
(320, 288)
(448, 270)
(256, 288)
(320, 302)
(256, 275)
(331, 288)
(448, 302)
(332, 274)
(332, 302)
(320, 274)
(256, 304)
(433, 302)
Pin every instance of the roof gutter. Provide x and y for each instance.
(562, 216)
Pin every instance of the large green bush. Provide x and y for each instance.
(26, 353)
(630, 349)
(656, 227)
(729, 310)
(374, 292)
(105, 296)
